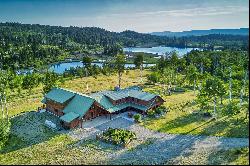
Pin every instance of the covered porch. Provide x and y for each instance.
(89, 124)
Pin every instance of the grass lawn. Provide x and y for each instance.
(54, 151)
(105, 82)
(183, 121)
(45, 147)
(236, 156)
(239, 156)
(51, 148)
(175, 121)
(27, 102)
(31, 142)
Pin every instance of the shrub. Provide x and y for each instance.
(179, 89)
(232, 108)
(118, 136)
(137, 117)
(4, 132)
(158, 110)
(151, 113)
(154, 77)
(207, 114)
(163, 108)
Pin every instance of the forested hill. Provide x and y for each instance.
(241, 31)
(66, 36)
(23, 45)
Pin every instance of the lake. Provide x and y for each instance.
(61, 67)
(160, 50)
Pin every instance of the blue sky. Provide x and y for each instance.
(137, 15)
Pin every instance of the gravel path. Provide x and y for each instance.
(196, 140)
(151, 147)
(83, 134)
(116, 123)
(163, 147)
(171, 147)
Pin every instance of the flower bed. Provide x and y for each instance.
(117, 136)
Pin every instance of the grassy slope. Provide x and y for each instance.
(233, 157)
(184, 122)
(56, 151)
(27, 102)
(238, 156)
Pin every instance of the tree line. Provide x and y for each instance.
(213, 76)
(34, 45)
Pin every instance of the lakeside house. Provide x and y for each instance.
(74, 108)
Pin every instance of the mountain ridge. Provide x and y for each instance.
(240, 31)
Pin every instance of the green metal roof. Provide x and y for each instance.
(125, 105)
(102, 100)
(80, 104)
(116, 95)
(141, 95)
(140, 107)
(69, 117)
(59, 95)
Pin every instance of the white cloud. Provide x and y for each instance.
(208, 11)
(160, 20)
